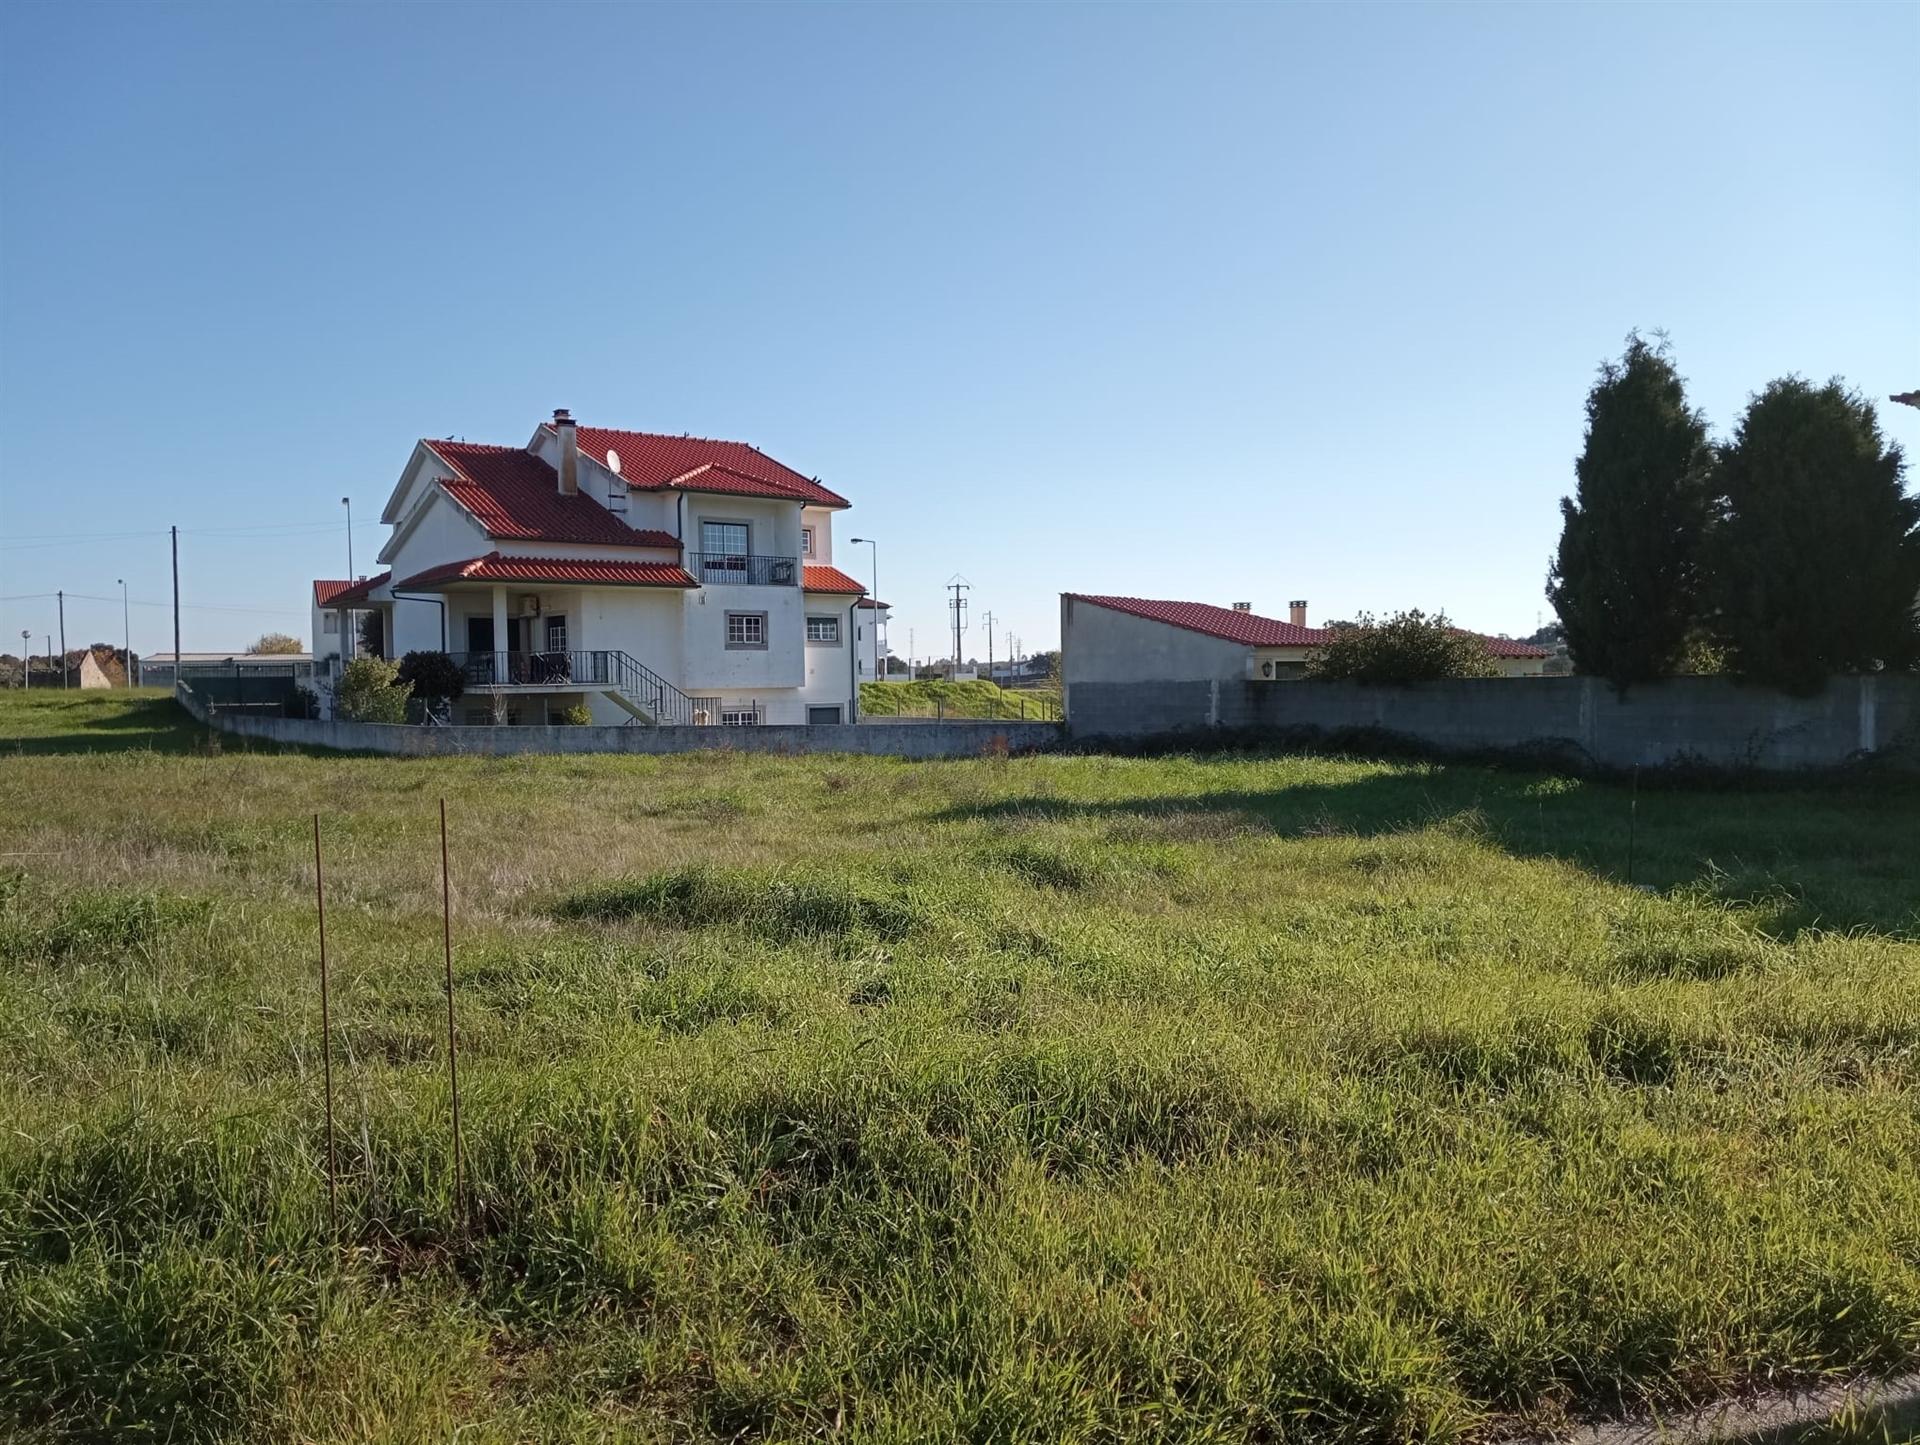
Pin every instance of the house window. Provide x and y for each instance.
(824, 630)
(330, 623)
(745, 716)
(806, 541)
(557, 634)
(723, 539)
(824, 714)
(746, 629)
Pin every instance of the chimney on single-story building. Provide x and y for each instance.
(1243, 607)
(1297, 612)
(569, 452)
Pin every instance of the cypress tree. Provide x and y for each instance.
(1625, 581)
(1815, 560)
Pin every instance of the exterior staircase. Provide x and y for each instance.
(622, 679)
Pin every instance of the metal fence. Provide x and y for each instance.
(247, 687)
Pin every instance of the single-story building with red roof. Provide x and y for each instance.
(1106, 639)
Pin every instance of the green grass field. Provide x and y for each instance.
(977, 699)
(1061, 1098)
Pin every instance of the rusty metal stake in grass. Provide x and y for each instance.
(1633, 821)
(326, 1035)
(453, 1047)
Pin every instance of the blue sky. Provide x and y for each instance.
(1222, 302)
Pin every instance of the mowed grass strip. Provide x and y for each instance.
(1246, 1098)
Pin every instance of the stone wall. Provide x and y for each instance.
(1698, 719)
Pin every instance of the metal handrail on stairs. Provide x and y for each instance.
(606, 670)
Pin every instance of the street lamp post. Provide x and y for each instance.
(347, 502)
(26, 657)
(874, 596)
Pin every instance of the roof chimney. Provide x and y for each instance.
(1243, 607)
(1297, 612)
(569, 452)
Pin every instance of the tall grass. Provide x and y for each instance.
(1255, 1098)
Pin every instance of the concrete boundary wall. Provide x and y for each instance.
(1705, 720)
(957, 739)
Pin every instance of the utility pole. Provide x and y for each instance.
(26, 658)
(176, 603)
(63, 637)
(989, 647)
(347, 502)
(909, 654)
(126, 636)
(958, 605)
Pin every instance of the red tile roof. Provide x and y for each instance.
(652, 462)
(516, 497)
(828, 579)
(1222, 622)
(1254, 630)
(495, 568)
(346, 594)
(1508, 647)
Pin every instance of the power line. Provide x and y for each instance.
(137, 602)
(261, 532)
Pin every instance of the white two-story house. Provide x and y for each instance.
(650, 578)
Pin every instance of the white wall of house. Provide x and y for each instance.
(711, 666)
(830, 678)
(445, 532)
(644, 622)
(325, 635)
(819, 520)
(773, 526)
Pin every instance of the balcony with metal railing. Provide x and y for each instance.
(739, 569)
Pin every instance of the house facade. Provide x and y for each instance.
(647, 578)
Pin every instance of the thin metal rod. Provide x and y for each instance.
(1633, 819)
(453, 1050)
(326, 1035)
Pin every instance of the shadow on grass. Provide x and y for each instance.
(84, 725)
(1838, 856)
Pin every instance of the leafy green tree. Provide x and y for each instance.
(275, 643)
(1407, 647)
(367, 692)
(1815, 560)
(1626, 578)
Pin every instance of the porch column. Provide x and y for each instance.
(500, 619)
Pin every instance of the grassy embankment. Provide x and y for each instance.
(1052, 1098)
(976, 699)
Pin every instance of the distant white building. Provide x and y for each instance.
(651, 578)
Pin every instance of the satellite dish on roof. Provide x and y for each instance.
(613, 461)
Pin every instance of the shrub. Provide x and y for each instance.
(433, 676)
(368, 692)
(577, 716)
(303, 702)
(1407, 647)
